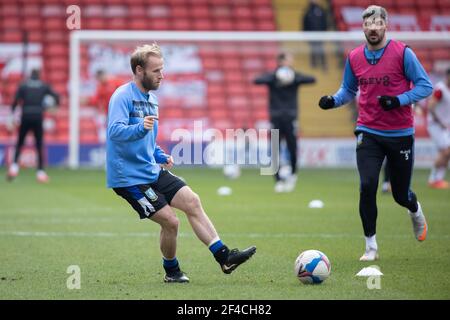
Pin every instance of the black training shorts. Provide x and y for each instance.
(147, 199)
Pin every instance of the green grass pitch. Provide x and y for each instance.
(75, 220)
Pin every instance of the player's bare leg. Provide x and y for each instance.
(169, 222)
(436, 178)
(189, 202)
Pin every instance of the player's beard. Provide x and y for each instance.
(148, 83)
(380, 36)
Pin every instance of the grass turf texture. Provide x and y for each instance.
(75, 220)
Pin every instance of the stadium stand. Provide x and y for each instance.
(231, 98)
(237, 100)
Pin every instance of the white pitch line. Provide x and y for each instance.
(65, 221)
(191, 235)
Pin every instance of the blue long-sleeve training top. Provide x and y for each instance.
(132, 155)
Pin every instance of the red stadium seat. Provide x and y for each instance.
(223, 24)
(430, 4)
(35, 36)
(53, 10)
(222, 124)
(231, 64)
(94, 23)
(263, 13)
(10, 10)
(210, 63)
(340, 3)
(172, 113)
(12, 36)
(427, 65)
(238, 101)
(245, 25)
(218, 114)
(422, 53)
(56, 49)
(93, 11)
(219, 2)
(261, 3)
(179, 12)
(31, 10)
(56, 36)
(32, 23)
(118, 24)
(221, 12)
(444, 6)
(266, 25)
(45, 20)
(384, 3)
(234, 77)
(217, 101)
(159, 24)
(89, 137)
(199, 12)
(196, 113)
(440, 54)
(202, 24)
(137, 11)
(182, 24)
(242, 13)
(133, 3)
(12, 22)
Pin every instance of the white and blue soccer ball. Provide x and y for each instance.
(49, 102)
(232, 171)
(312, 267)
(285, 75)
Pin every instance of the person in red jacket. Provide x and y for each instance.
(106, 85)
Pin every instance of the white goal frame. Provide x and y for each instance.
(79, 36)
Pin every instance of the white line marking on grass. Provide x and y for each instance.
(191, 235)
(85, 220)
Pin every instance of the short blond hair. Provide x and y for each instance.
(140, 55)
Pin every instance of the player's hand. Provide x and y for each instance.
(169, 164)
(326, 102)
(149, 122)
(10, 123)
(388, 102)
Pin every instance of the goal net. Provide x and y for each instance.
(208, 84)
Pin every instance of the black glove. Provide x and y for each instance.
(326, 102)
(388, 102)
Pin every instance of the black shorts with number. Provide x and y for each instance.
(147, 199)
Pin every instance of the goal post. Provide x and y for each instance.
(290, 41)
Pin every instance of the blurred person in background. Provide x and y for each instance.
(383, 71)
(438, 119)
(315, 19)
(283, 84)
(386, 186)
(106, 85)
(34, 96)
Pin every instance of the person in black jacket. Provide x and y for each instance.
(315, 19)
(283, 84)
(34, 95)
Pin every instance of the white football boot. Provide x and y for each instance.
(419, 223)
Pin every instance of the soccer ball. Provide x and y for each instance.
(312, 267)
(49, 102)
(285, 75)
(232, 171)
